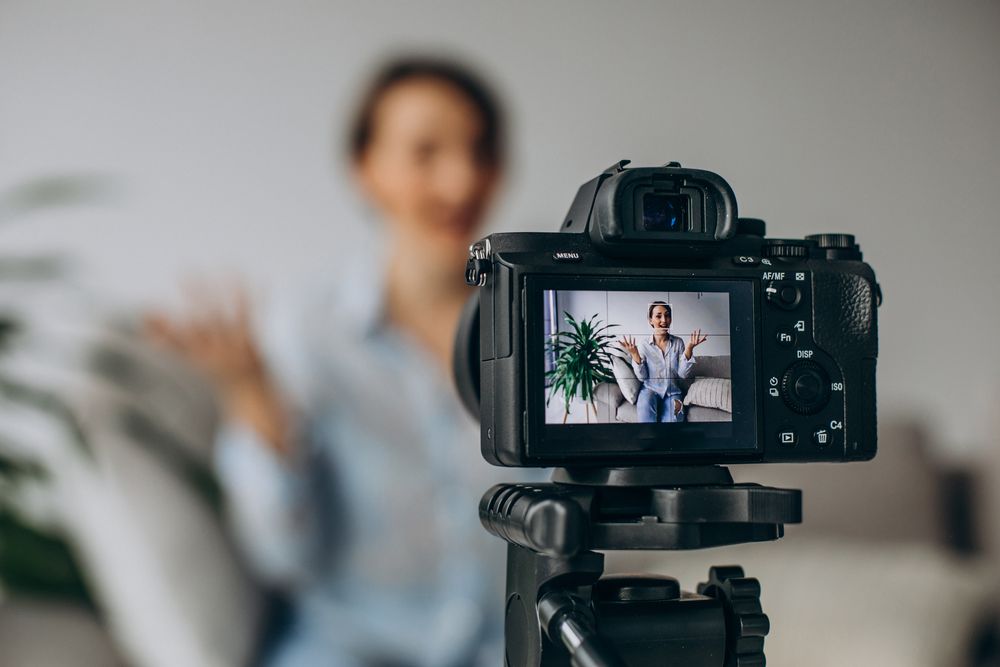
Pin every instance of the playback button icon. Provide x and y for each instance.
(787, 438)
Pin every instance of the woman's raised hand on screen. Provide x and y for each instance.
(627, 343)
(216, 336)
(694, 340)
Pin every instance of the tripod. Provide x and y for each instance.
(561, 611)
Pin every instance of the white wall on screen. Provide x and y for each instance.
(708, 311)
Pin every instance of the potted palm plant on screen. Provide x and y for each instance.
(581, 362)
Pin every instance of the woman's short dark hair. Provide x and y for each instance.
(649, 313)
(399, 70)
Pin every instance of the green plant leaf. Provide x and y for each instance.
(581, 359)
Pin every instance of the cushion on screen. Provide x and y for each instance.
(621, 367)
(711, 393)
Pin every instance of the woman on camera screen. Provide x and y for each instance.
(352, 471)
(660, 361)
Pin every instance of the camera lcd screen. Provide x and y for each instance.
(637, 357)
(667, 368)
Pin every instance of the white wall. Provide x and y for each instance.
(217, 121)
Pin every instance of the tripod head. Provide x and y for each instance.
(562, 611)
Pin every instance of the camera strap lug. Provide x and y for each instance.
(479, 264)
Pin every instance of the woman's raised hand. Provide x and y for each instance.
(217, 338)
(627, 343)
(694, 340)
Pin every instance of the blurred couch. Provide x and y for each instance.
(114, 548)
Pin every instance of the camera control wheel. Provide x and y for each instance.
(805, 387)
(786, 249)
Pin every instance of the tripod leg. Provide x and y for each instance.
(568, 620)
(528, 574)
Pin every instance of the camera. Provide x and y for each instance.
(658, 328)
(654, 339)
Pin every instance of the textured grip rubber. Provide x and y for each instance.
(542, 518)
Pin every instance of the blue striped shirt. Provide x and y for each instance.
(659, 370)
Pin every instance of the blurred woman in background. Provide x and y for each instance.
(353, 474)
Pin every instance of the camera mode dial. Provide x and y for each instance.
(837, 246)
(805, 387)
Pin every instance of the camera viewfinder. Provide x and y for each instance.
(664, 213)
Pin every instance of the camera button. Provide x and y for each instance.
(789, 295)
(808, 387)
(788, 438)
(567, 256)
(825, 437)
(785, 296)
(746, 260)
(805, 387)
(785, 337)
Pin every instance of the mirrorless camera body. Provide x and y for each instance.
(659, 328)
